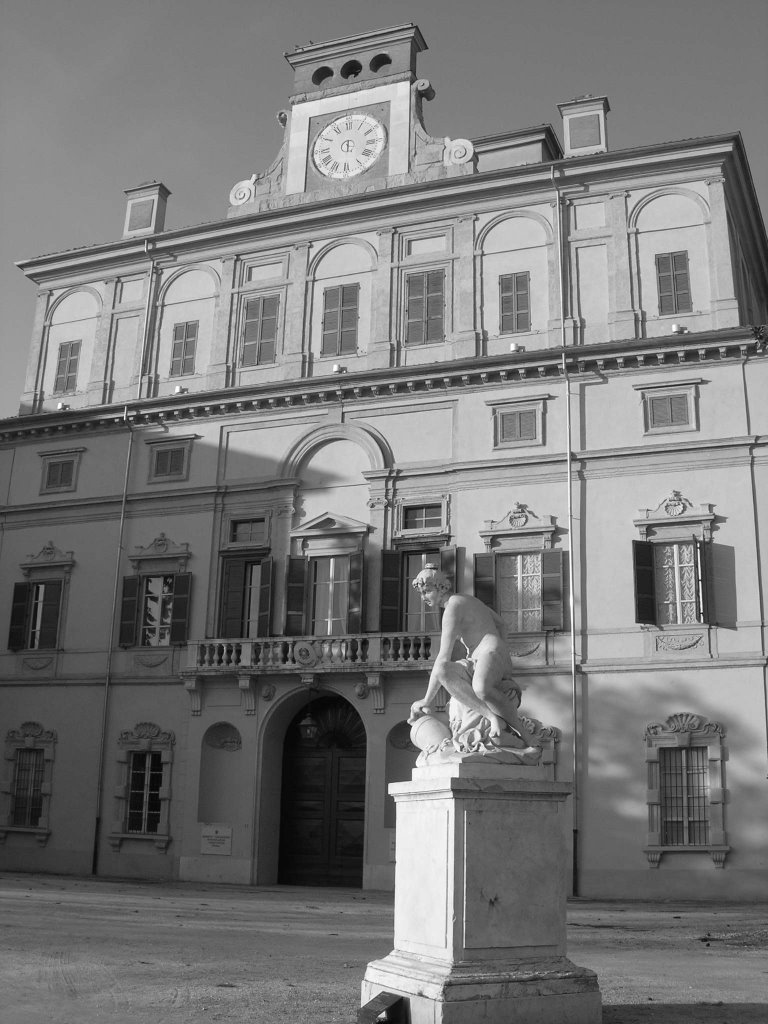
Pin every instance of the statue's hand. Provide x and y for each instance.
(418, 710)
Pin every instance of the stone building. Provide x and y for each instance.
(539, 365)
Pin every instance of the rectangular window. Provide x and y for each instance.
(684, 795)
(27, 789)
(184, 347)
(66, 367)
(156, 610)
(673, 283)
(246, 598)
(168, 462)
(260, 331)
(422, 517)
(145, 782)
(59, 475)
(248, 531)
(330, 595)
(669, 582)
(514, 303)
(668, 411)
(340, 316)
(418, 618)
(525, 588)
(517, 425)
(35, 616)
(425, 307)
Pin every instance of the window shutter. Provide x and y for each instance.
(17, 639)
(295, 592)
(701, 580)
(49, 620)
(331, 314)
(435, 307)
(645, 582)
(390, 614)
(665, 283)
(682, 282)
(265, 597)
(552, 590)
(415, 309)
(485, 579)
(129, 611)
(678, 410)
(232, 592)
(355, 609)
(182, 587)
(448, 563)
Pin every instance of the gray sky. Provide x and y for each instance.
(100, 95)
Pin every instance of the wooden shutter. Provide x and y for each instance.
(682, 282)
(701, 580)
(355, 608)
(552, 590)
(17, 634)
(295, 596)
(263, 627)
(331, 319)
(49, 619)
(665, 283)
(182, 587)
(448, 563)
(390, 614)
(435, 306)
(415, 308)
(645, 582)
(232, 595)
(485, 579)
(129, 611)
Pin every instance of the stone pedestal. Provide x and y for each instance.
(480, 897)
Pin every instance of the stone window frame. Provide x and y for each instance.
(686, 729)
(157, 445)
(29, 735)
(145, 737)
(52, 457)
(422, 534)
(688, 388)
(537, 404)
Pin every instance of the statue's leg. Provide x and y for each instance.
(490, 670)
(457, 680)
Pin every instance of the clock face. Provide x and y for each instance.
(349, 145)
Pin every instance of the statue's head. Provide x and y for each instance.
(432, 579)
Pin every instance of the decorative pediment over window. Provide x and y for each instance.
(520, 529)
(329, 533)
(160, 555)
(50, 561)
(676, 515)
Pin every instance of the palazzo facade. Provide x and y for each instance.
(539, 365)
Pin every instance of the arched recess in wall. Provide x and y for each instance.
(331, 463)
(184, 329)
(341, 277)
(70, 335)
(221, 796)
(670, 222)
(517, 276)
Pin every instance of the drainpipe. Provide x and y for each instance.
(147, 310)
(110, 643)
(572, 536)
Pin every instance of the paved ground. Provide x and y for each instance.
(82, 951)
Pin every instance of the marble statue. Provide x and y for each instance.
(484, 707)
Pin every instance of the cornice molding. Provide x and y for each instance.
(448, 378)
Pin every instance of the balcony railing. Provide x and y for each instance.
(366, 652)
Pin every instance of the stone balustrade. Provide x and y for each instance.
(369, 652)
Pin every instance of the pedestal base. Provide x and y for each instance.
(552, 991)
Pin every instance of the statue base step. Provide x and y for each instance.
(551, 991)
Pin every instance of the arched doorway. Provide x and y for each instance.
(322, 815)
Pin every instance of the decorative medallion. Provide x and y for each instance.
(349, 145)
(518, 516)
(675, 504)
(304, 654)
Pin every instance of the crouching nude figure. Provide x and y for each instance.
(482, 682)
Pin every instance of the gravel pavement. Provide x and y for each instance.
(82, 951)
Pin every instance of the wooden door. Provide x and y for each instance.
(323, 805)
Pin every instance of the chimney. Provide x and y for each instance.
(584, 130)
(145, 212)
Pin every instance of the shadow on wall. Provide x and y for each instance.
(693, 1013)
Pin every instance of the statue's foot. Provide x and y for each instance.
(530, 755)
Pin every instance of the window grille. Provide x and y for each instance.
(684, 786)
(146, 780)
(27, 792)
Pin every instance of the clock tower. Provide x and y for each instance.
(354, 123)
